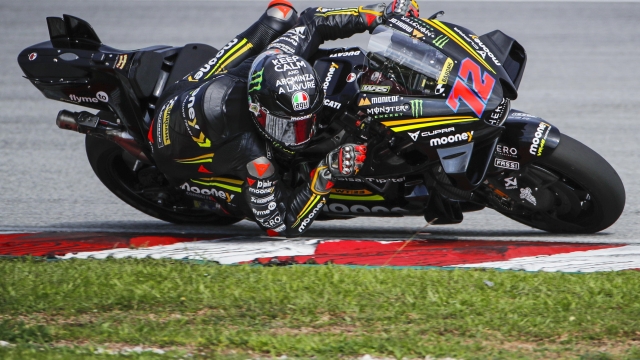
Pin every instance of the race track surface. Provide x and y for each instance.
(581, 76)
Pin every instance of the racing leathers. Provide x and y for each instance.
(205, 142)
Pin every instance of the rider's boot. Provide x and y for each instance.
(279, 18)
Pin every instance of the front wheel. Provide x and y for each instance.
(145, 188)
(579, 192)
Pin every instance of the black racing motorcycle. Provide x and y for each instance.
(430, 99)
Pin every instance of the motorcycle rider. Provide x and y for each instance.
(208, 140)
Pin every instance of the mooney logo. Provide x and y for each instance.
(306, 221)
(440, 41)
(468, 136)
(540, 137)
(327, 80)
(221, 194)
(416, 108)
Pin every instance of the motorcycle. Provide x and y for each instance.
(431, 100)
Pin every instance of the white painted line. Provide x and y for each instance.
(612, 259)
(222, 251)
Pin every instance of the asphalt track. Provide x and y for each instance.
(581, 76)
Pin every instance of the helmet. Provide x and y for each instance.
(284, 98)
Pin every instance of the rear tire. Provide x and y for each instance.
(589, 196)
(107, 161)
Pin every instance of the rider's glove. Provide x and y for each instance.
(407, 8)
(372, 15)
(376, 14)
(345, 161)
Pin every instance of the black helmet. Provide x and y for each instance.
(284, 97)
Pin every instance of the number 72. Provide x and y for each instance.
(482, 88)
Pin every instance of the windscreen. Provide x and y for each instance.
(412, 60)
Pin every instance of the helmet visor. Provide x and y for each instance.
(291, 131)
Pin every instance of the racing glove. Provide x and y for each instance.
(376, 14)
(343, 162)
(407, 8)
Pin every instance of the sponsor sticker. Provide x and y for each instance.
(300, 101)
(507, 164)
(446, 71)
(498, 114)
(505, 150)
(33, 56)
(484, 51)
(416, 108)
(376, 88)
(308, 219)
(348, 53)
(332, 104)
(539, 139)
(527, 194)
(467, 136)
(101, 96)
(351, 77)
(360, 209)
(163, 124)
(207, 192)
(510, 183)
(387, 109)
(207, 68)
(440, 41)
(327, 80)
(416, 134)
(262, 191)
(121, 61)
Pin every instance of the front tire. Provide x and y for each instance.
(108, 162)
(587, 197)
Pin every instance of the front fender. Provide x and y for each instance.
(525, 138)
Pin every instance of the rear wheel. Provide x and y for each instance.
(581, 192)
(145, 189)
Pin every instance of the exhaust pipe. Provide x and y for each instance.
(87, 123)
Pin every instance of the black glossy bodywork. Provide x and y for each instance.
(75, 67)
(425, 156)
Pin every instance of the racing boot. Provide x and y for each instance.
(279, 18)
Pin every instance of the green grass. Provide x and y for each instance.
(65, 309)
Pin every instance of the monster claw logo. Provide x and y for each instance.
(256, 81)
(416, 108)
(440, 41)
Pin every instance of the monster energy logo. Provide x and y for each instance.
(416, 108)
(256, 81)
(440, 41)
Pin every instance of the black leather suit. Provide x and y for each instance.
(204, 138)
